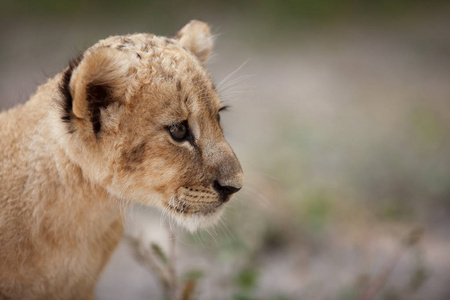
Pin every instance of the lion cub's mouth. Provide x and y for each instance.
(186, 207)
(196, 200)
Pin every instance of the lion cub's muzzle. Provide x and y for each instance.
(222, 177)
(229, 175)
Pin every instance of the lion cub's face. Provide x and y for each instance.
(143, 118)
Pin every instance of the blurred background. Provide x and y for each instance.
(340, 115)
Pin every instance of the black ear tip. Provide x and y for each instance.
(64, 89)
(98, 97)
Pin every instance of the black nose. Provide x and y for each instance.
(224, 190)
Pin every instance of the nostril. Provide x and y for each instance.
(224, 190)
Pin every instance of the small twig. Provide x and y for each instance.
(152, 256)
(188, 290)
(376, 285)
(144, 254)
(172, 264)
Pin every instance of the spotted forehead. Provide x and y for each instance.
(151, 50)
(155, 55)
(137, 43)
(162, 60)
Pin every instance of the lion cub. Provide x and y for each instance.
(135, 119)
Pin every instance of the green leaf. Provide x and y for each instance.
(247, 279)
(194, 275)
(159, 253)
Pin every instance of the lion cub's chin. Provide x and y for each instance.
(193, 222)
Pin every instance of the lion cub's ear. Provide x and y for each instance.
(196, 37)
(100, 79)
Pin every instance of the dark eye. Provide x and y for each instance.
(221, 109)
(179, 132)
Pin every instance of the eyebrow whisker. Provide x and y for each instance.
(225, 107)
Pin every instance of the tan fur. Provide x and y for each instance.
(64, 187)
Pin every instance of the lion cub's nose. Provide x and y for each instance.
(225, 190)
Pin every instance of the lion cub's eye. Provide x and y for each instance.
(179, 132)
(221, 109)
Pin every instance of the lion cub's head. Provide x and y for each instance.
(142, 119)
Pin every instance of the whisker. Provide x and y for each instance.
(220, 84)
(233, 81)
(264, 200)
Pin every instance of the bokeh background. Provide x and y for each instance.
(340, 115)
